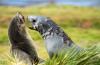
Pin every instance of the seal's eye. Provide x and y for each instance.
(33, 20)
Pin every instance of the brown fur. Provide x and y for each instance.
(21, 44)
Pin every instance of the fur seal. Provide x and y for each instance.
(21, 42)
(56, 40)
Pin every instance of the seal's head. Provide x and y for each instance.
(40, 23)
(18, 23)
(17, 27)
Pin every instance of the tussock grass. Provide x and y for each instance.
(73, 57)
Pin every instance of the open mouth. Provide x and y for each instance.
(33, 28)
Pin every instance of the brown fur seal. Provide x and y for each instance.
(21, 43)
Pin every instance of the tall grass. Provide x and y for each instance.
(7, 59)
(89, 56)
(72, 57)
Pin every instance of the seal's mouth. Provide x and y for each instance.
(32, 21)
(33, 28)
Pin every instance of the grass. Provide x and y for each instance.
(71, 15)
(82, 24)
(3, 36)
(72, 57)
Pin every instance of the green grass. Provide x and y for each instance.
(74, 57)
(63, 15)
(3, 36)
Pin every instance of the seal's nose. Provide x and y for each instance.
(19, 15)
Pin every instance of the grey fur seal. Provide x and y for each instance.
(56, 40)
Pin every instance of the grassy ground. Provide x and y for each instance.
(82, 24)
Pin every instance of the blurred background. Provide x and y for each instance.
(80, 19)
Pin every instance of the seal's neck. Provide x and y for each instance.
(15, 34)
(59, 32)
(50, 31)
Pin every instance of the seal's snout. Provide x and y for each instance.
(21, 17)
(32, 19)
